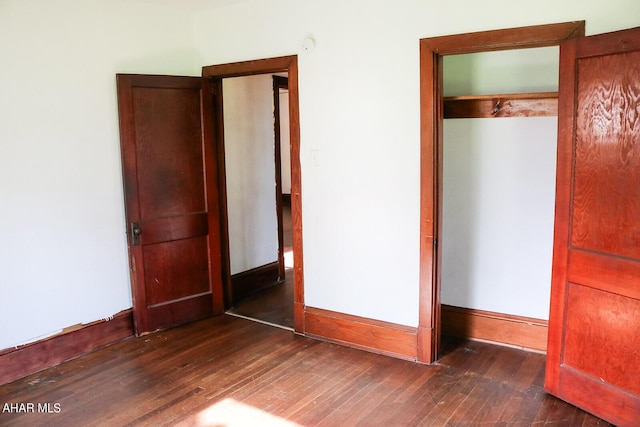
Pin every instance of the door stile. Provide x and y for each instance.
(428, 340)
(124, 83)
(564, 173)
(218, 120)
(212, 191)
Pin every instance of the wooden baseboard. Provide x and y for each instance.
(75, 341)
(376, 336)
(523, 332)
(249, 282)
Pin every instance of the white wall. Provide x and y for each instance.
(359, 111)
(499, 188)
(63, 253)
(250, 167)
(63, 256)
(509, 71)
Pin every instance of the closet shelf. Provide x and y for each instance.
(539, 104)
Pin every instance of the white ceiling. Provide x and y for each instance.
(193, 5)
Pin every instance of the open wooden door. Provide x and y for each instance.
(593, 356)
(171, 199)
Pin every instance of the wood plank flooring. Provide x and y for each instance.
(274, 305)
(228, 371)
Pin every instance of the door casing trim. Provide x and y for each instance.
(216, 73)
(432, 51)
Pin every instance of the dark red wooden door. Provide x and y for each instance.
(593, 356)
(171, 199)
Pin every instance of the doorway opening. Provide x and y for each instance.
(498, 196)
(235, 193)
(432, 107)
(256, 140)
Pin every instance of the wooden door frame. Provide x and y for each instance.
(432, 51)
(215, 73)
(279, 82)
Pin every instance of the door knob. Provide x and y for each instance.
(136, 231)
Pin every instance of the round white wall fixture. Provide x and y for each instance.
(308, 44)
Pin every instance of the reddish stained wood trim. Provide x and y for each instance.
(213, 195)
(431, 116)
(248, 68)
(279, 82)
(504, 39)
(359, 332)
(296, 197)
(27, 359)
(519, 331)
(299, 324)
(218, 124)
(265, 66)
(511, 105)
(430, 120)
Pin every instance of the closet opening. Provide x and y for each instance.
(498, 195)
(434, 108)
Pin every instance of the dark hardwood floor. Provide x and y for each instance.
(228, 371)
(274, 305)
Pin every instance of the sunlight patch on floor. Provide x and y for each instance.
(231, 413)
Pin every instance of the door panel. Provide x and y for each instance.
(589, 345)
(607, 111)
(170, 198)
(169, 145)
(175, 269)
(594, 326)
